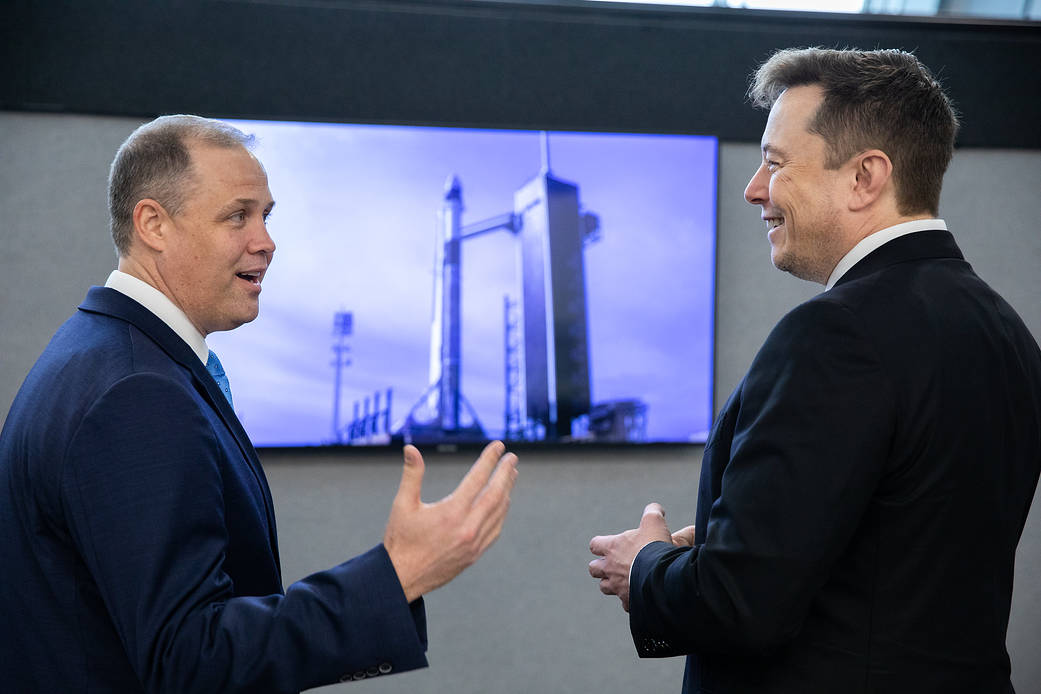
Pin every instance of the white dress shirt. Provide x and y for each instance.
(877, 239)
(164, 309)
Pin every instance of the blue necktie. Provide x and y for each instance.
(217, 371)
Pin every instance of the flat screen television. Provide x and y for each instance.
(446, 286)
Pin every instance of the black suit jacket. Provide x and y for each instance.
(137, 535)
(862, 494)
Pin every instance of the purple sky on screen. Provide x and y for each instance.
(355, 224)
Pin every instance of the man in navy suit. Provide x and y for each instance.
(138, 545)
(865, 486)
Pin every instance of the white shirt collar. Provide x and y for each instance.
(164, 309)
(877, 239)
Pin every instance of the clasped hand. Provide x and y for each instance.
(430, 544)
(616, 553)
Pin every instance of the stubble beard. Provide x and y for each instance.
(813, 257)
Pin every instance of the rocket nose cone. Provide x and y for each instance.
(453, 189)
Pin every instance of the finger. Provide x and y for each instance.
(502, 480)
(506, 473)
(596, 569)
(497, 516)
(488, 513)
(654, 520)
(491, 527)
(654, 508)
(411, 488)
(600, 544)
(605, 587)
(495, 495)
(684, 537)
(479, 473)
(488, 537)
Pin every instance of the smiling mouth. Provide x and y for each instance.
(252, 277)
(774, 222)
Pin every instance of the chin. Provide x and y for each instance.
(236, 319)
(785, 262)
(247, 318)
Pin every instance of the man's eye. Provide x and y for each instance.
(771, 165)
(238, 217)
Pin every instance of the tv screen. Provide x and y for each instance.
(445, 286)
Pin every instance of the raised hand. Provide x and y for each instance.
(430, 544)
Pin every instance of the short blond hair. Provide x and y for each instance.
(154, 162)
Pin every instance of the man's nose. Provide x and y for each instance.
(262, 242)
(757, 190)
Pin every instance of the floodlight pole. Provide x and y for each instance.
(342, 328)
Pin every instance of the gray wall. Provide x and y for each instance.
(527, 617)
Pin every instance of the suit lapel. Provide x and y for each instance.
(112, 303)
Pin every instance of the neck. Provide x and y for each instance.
(148, 273)
(135, 268)
(871, 223)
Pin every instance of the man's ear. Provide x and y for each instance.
(151, 224)
(873, 171)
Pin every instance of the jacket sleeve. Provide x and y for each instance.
(809, 446)
(144, 503)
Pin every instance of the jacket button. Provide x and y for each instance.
(373, 671)
(359, 675)
(385, 668)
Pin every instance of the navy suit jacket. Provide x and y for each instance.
(862, 494)
(138, 536)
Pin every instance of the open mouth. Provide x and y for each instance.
(774, 222)
(252, 277)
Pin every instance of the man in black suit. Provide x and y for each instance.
(865, 486)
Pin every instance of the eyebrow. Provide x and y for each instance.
(767, 147)
(247, 202)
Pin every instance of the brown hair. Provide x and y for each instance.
(154, 162)
(884, 99)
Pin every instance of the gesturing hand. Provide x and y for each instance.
(617, 552)
(430, 544)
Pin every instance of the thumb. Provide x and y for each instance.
(411, 488)
(654, 519)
